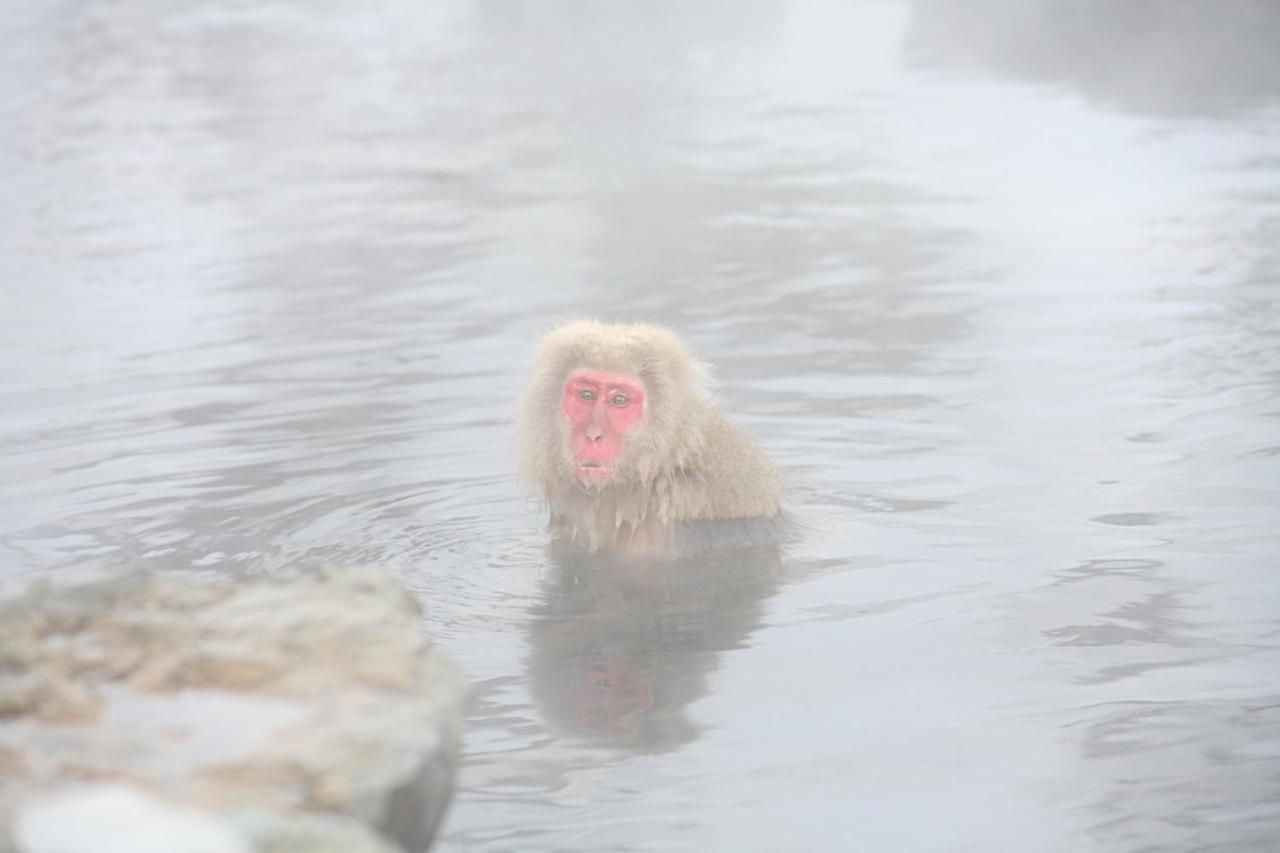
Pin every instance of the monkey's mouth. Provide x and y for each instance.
(591, 473)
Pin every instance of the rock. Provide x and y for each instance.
(119, 819)
(302, 711)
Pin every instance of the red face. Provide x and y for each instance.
(600, 408)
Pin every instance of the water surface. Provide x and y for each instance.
(1007, 318)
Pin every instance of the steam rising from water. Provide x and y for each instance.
(995, 282)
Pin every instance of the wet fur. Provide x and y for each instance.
(685, 462)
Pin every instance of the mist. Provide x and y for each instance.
(996, 284)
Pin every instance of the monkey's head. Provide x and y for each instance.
(605, 403)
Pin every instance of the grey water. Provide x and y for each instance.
(996, 283)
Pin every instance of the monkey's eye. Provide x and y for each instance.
(586, 394)
(619, 399)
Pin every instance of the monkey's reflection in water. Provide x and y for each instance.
(620, 648)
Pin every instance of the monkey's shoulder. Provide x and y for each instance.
(733, 478)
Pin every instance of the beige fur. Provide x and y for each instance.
(684, 462)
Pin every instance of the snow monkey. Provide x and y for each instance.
(619, 433)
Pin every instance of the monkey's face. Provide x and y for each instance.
(599, 410)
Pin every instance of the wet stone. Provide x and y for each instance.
(303, 711)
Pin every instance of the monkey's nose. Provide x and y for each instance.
(595, 435)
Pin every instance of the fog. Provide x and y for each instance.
(996, 283)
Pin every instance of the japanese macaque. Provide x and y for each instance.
(620, 435)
